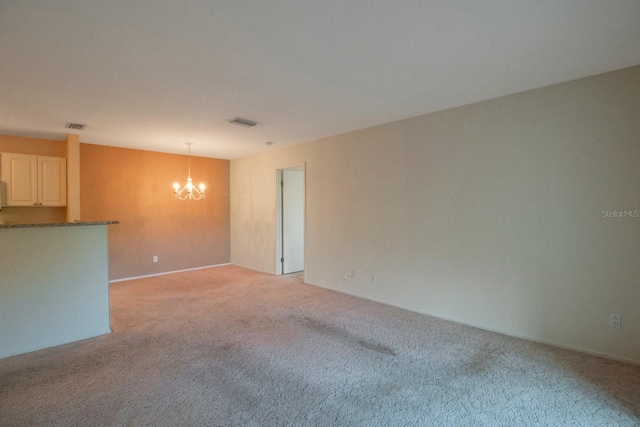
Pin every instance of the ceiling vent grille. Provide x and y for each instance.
(243, 122)
(75, 126)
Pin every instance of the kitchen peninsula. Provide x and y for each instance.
(54, 284)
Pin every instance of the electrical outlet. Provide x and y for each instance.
(350, 274)
(614, 320)
(373, 277)
(155, 258)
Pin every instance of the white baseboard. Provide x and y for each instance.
(254, 269)
(54, 343)
(168, 272)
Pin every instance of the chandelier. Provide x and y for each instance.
(189, 191)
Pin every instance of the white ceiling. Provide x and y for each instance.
(153, 74)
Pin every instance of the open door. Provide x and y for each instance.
(291, 216)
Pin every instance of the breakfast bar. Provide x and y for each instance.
(54, 284)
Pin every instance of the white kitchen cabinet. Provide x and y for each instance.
(52, 181)
(34, 180)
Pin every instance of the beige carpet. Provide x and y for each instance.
(232, 347)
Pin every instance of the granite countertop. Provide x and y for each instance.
(59, 224)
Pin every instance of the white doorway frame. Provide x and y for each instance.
(279, 254)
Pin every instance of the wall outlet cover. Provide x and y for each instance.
(614, 320)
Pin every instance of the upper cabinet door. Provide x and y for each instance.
(52, 181)
(20, 173)
(34, 180)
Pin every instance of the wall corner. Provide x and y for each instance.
(72, 144)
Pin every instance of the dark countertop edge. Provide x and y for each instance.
(59, 224)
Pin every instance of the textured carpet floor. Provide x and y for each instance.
(228, 346)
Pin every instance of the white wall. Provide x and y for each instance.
(53, 286)
(489, 214)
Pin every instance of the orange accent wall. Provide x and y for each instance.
(23, 145)
(135, 187)
(36, 146)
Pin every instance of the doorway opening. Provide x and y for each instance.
(291, 219)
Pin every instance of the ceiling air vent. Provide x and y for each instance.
(243, 122)
(75, 126)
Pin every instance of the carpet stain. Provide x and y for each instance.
(380, 348)
(226, 347)
(344, 335)
(480, 360)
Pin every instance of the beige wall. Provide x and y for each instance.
(489, 214)
(42, 147)
(135, 187)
